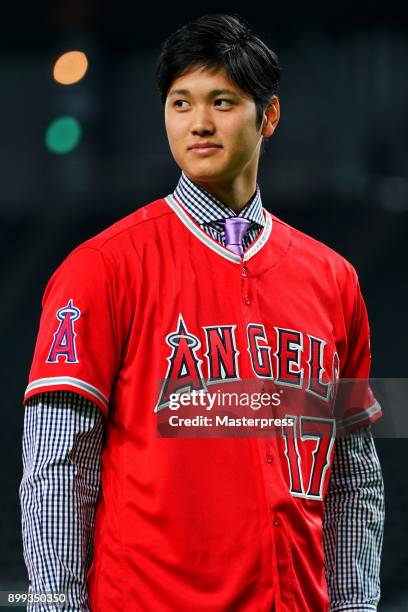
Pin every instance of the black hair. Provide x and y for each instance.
(221, 41)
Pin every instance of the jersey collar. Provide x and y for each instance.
(192, 225)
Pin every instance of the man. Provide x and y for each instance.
(201, 287)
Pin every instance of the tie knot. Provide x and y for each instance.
(235, 230)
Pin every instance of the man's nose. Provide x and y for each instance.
(202, 123)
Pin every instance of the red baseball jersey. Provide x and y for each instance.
(153, 304)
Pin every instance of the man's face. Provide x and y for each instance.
(211, 127)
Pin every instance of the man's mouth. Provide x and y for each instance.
(204, 147)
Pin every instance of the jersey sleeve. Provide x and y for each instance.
(356, 405)
(78, 345)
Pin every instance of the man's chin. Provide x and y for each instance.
(205, 175)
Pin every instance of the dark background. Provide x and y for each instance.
(336, 168)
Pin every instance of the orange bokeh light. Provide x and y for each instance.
(70, 67)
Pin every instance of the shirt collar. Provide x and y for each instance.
(206, 208)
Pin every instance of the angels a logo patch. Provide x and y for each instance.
(64, 338)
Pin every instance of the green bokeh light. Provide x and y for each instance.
(63, 135)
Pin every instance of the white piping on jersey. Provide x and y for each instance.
(72, 382)
(262, 238)
(215, 246)
(361, 416)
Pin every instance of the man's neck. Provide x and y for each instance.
(235, 195)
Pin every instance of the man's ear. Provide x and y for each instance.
(271, 118)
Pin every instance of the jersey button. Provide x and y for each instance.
(276, 522)
(247, 300)
(269, 457)
(244, 272)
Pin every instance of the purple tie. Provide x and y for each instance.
(235, 230)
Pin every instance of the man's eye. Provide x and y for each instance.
(223, 102)
(181, 103)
